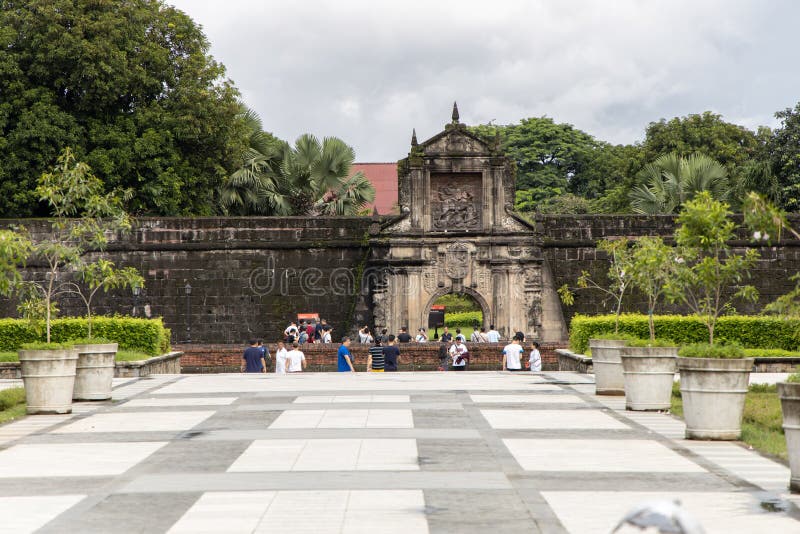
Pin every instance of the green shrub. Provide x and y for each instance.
(616, 337)
(753, 331)
(11, 397)
(41, 345)
(9, 357)
(131, 356)
(704, 350)
(794, 378)
(90, 341)
(145, 335)
(657, 342)
(771, 353)
(463, 318)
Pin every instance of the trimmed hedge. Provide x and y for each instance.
(145, 335)
(751, 331)
(463, 318)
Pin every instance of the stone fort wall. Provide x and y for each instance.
(250, 276)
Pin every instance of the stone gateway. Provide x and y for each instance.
(457, 233)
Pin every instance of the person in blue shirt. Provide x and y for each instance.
(345, 360)
(253, 359)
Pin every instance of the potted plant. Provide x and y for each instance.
(83, 219)
(607, 363)
(48, 373)
(94, 371)
(649, 369)
(605, 349)
(713, 378)
(714, 381)
(789, 393)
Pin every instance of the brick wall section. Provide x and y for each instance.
(210, 358)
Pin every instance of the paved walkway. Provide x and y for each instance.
(405, 452)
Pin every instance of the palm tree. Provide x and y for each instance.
(672, 179)
(255, 188)
(319, 176)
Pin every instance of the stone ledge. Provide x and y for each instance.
(169, 363)
(569, 361)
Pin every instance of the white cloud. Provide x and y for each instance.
(371, 71)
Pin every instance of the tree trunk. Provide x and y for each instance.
(651, 325)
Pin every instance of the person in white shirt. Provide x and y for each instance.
(290, 334)
(512, 356)
(364, 336)
(458, 351)
(460, 336)
(295, 359)
(535, 359)
(280, 359)
(492, 336)
(326, 335)
(422, 337)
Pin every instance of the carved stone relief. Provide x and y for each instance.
(456, 202)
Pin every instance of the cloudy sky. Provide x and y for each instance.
(369, 71)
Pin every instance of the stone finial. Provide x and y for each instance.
(414, 137)
(455, 113)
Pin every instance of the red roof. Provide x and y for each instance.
(383, 177)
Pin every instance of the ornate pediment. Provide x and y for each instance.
(455, 142)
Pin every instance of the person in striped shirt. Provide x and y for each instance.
(376, 359)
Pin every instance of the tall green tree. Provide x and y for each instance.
(785, 156)
(706, 133)
(556, 162)
(129, 84)
(671, 180)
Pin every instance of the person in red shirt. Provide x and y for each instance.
(310, 328)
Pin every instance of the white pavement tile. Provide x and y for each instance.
(27, 514)
(328, 455)
(355, 399)
(374, 383)
(73, 459)
(29, 425)
(344, 418)
(340, 512)
(598, 455)
(743, 463)
(551, 419)
(136, 422)
(547, 398)
(179, 401)
(584, 512)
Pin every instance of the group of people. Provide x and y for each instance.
(308, 332)
(384, 352)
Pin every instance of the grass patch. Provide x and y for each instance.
(9, 357)
(761, 422)
(12, 404)
(131, 356)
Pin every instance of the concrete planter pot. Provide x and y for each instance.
(649, 373)
(49, 377)
(608, 378)
(790, 406)
(94, 372)
(713, 392)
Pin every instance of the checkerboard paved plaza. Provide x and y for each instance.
(400, 452)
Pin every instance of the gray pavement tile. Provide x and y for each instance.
(191, 456)
(305, 433)
(454, 455)
(580, 481)
(320, 480)
(479, 512)
(235, 420)
(140, 513)
(440, 418)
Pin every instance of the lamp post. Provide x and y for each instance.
(136, 292)
(188, 290)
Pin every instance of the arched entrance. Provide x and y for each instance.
(474, 296)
